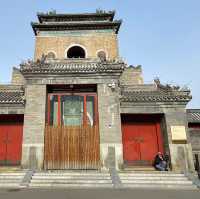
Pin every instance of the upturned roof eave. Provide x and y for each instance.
(193, 115)
(185, 101)
(191, 110)
(110, 15)
(12, 103)
(77, 25)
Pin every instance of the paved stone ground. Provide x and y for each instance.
(98, 194)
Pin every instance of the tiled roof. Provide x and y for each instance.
(71, 66)
(154, 94)
(53, 16)
(11, 94)
(193, 115)
(86, 25)
(52, 21)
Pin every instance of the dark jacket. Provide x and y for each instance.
(157, 160)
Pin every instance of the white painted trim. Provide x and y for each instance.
(103, 51)
(33, 145)
(74, 44)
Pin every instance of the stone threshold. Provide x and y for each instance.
(10, 168)
(138, 168)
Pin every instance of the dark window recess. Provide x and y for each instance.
(76, 52)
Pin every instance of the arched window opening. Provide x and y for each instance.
(102, 55)
(76, 52)
(51, 55)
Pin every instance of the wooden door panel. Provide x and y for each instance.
(14, 144)
(149, 145)
(159, 138)
(131, 148)
(10, 144)
(72, 147)
(2, 145)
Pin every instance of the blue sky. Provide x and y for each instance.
(163, 36)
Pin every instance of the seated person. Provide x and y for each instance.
(160, 163)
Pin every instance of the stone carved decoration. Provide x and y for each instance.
(137, 67)
(51, 12)
(168, 86)
(102, 56)
(43, 59)
(51, 55)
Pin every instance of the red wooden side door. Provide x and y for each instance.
(11, 144)
(3, 149)
(131, 148)
(141, 142)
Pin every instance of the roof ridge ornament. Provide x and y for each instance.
(169, 87)
(137, 67)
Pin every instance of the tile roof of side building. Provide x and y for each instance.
(193, 115)
(154, 93)
(12, 94)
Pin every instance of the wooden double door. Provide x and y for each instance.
(141, 142)
(71, 133)
(10, 144)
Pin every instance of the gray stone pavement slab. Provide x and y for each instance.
(97, 194)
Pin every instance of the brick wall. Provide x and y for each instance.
(34, 123)
(195, 139)
(92, 42)
(110, 127)
(131, 76)
(17, 77)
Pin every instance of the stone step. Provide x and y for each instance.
(11, 169)
(11, 177)
(155, 171)
(2, 175)
(71, 185)
(153, 178)
(71, 174)
(72, 177)
(139, 168)
(87, 181)
(155, 182)
(151, 174)
(148, 176)
(9, 185)
(160, 186)
(71, 180)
